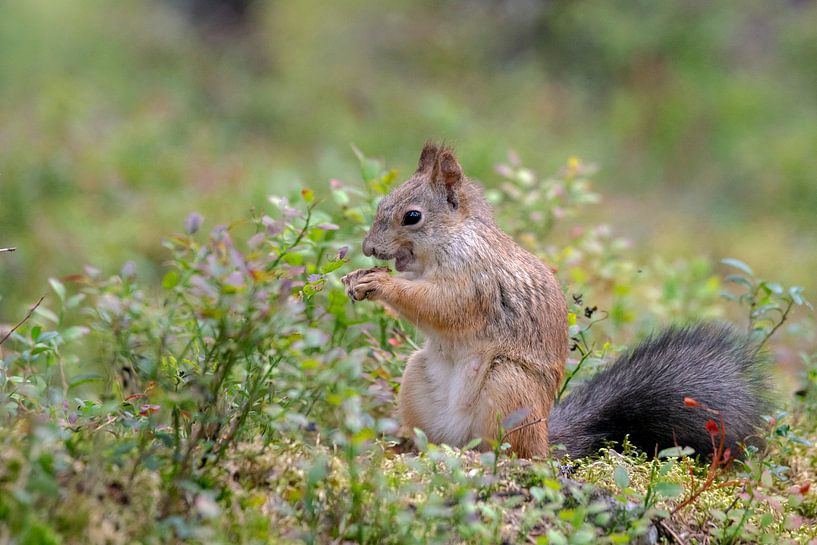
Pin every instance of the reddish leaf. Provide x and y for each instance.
(712, 427)
(147, 410)
(805, 488)
(689, 402)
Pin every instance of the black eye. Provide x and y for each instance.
(412, 217)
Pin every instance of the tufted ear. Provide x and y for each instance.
(447, 174)
(448, 170)
(427, 157)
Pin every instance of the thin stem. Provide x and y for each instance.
(295, 243)
(252, 397)
(24, 320)
(520, 427)
(585, 355)
(783, 318)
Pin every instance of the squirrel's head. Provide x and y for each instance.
(411, 219)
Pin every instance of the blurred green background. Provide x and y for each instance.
(119, 118)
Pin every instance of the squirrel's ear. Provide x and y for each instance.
(448, 170)
(427, 157)
(448, 174)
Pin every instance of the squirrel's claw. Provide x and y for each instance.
(361, 283)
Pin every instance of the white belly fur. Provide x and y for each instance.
(454, 376)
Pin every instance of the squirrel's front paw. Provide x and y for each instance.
(365, 283)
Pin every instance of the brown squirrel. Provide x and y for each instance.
(495, 321)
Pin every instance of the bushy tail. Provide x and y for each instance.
(642, 394)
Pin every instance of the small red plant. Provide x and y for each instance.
(721, 455)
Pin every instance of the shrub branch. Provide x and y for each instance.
(24, 320)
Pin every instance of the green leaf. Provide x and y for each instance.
(666, 467)
(388, 179)
(676, 452)
(738, 264)
(728, 296)
(738, 279)
(763, 309)
(538, 493)
(369, 168)
(58, 288)
(47, 336)
(773, 287)
(766, 479)
(355, 215)
(555, 538)
(334, 265)
(582, 537)
(317, 472)
(621, 477)
(74, 300)
(341, 197)
(472, 444)
(668, 490)
(420, 439)
(170, 280)
(796, 294)
(294, 259)
(47, 314)
(74, 332)
(83, 379)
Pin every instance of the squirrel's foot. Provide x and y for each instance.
(403, 446)
(365, 283)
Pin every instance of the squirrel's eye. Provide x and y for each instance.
(412, 217)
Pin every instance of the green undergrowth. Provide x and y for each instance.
(246, 400)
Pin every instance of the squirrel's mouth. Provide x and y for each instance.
(403, 259)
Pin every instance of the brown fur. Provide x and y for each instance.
(494, 315)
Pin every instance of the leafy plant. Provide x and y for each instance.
(768, 303)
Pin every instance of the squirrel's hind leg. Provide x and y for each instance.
(514, 404)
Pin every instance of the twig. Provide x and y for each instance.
(784, 315)
(21, 322)
(733, 504)
(519, 427)
(671, 532)
(11, 249)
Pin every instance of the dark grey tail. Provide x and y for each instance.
(642, 394)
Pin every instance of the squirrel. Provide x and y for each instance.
(495, 321)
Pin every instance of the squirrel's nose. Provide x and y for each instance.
(368, 247)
